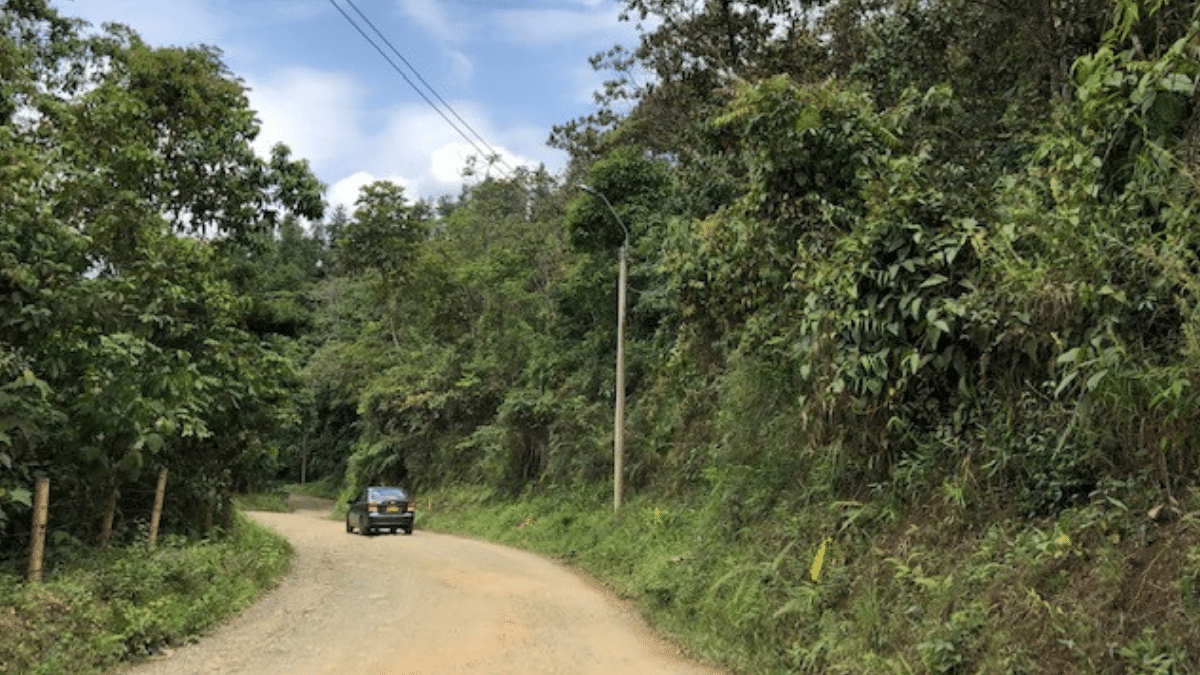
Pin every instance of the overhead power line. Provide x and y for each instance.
(491, 153)
(433, 91)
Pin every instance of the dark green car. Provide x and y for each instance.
(381, 508)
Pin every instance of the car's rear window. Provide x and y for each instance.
(387, 494)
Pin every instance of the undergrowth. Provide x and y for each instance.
(112, 606)
(325, 488)
(275, 501)
(1105, 587)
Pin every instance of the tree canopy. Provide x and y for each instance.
(129, 179)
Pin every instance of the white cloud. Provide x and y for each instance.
(345, 191)
(416, 142)
(447, 162)
(321, 116)
(463, 67)
(316, 113)
(545, 27)
(432, 15)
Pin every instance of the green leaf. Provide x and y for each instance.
(1178, 83)
(1069, 356)
(153, 442)
(131, 463)
(1066, 382)
(21, 496)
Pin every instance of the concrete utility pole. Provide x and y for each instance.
(619, 412)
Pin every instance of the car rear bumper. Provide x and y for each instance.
(380, 520)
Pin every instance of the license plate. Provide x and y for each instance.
(393, 509)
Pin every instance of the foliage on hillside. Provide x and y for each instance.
(845, 277)
(884, 255)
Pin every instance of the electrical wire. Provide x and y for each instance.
(499, 158)
(415, 88)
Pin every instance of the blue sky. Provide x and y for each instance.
(511, 69)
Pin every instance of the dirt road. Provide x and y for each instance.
(427, 603)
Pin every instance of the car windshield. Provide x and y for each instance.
(386, 494)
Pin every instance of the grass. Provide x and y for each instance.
(1102, 588)
(326, 488)
(124, 603)
(275, 501)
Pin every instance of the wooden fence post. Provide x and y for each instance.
(156, 515)
(37, 545)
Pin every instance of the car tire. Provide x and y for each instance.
(363, 528)
(408, 530)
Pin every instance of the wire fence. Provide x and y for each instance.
(41, 519)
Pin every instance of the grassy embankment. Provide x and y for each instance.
(1103, 588)
(103, 608)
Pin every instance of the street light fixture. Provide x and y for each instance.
(619, 412)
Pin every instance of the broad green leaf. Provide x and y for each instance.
(1178, 83)
(1069, 356)
(1095, 380)
(1066, 382)
(21, 496)
(153, 442)
(935, 280)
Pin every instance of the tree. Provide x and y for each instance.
(383, 233)
(118, 317)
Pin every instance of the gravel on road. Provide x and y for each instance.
(423, 604)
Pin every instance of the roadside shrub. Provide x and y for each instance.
(94, 613)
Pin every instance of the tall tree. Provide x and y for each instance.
(117, 315)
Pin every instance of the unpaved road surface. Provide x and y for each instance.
(427, 603)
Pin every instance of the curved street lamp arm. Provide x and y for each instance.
(591, 190)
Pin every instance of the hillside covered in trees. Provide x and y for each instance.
(887, 258)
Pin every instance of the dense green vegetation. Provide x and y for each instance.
(914, 279)
(135, 333)
(100, 610)
(132, 334)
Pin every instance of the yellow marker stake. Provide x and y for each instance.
(819, 560)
